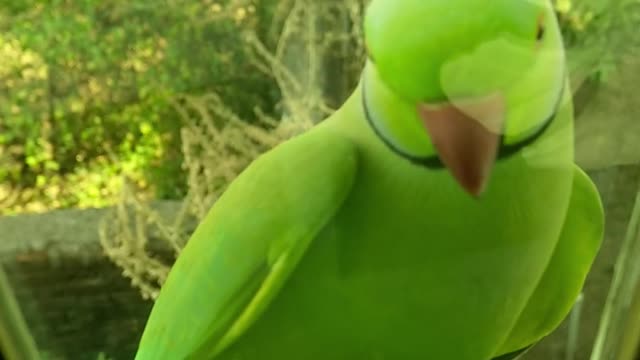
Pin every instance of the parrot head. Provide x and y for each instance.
(459, 84)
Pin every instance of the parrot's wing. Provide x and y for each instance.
(562, 282)
(240, 255)
(516, 355)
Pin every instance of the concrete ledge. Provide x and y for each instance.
(73, 302)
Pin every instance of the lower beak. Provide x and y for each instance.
(466, 136)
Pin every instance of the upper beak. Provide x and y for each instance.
(466, 135)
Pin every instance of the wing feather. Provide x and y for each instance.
(243, 251)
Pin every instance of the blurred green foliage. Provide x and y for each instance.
(599, 34)
(86, 87)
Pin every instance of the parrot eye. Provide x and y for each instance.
(540, 29)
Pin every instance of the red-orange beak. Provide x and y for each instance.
(466, 135)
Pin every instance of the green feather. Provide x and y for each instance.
(250, 241)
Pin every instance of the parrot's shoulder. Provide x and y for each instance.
(322, 148)
(244, 249)
(308, 172)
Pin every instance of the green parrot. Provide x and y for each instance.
(438, 214)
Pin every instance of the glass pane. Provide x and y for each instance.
(122, 124)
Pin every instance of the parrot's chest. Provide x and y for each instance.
(410, 217)
(411, 267)
(413, 257)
